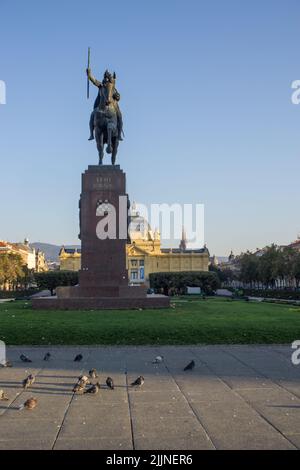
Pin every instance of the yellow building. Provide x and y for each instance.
(145, 255)
(32, 258)
(70, 259)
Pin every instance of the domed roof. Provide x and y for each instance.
(139, 227)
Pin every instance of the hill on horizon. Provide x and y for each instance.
(51, 251)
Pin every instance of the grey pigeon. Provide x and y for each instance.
(138, 382)
(78, 358)
(24, 358)
(93, 389)
(47, 356)
(190, 366)
(158, 360)
(110, 383)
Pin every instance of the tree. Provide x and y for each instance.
(296, 268)
(12, 270)
(249, 265)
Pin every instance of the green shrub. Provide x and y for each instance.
(178, 282)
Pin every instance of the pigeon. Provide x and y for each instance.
(138, 382)
(84, 380)
(110, 383)
(24, 358)
(28, 381)
(78, 358)
(93, 374)
(6, 364)
(3, 396)
(158, 360)
(190, 366)
(79, 388)
(47, 356)
(29, 404)
(93, 389)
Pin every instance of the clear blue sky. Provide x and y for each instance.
(206, 98)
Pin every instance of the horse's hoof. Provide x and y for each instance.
(108, 149)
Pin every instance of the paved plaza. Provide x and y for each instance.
(237, 397)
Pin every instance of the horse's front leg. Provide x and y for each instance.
(100, 145)
(109, 136)
(115, 150)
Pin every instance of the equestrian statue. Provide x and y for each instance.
(106, 123)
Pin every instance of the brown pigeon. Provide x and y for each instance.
(79, 388)
(93, 374)
(28, 381)
(29, 404)
(84, 380)
(110, 383)
(3, 396)
(138, 382)
(6, 364)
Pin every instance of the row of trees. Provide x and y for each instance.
(15, 276)
(274, 268)
(13, 273)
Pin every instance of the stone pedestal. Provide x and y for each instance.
(103, 278)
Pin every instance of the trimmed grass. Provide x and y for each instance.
(211, 321)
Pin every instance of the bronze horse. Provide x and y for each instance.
(106, 121)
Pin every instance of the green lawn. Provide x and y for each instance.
(211, 321)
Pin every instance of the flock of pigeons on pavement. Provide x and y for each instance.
(84, 384)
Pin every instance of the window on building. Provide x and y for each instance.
(133, 275)
(134, 262)
(142, 262)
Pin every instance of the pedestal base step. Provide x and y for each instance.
(101, 303)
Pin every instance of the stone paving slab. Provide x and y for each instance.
(237, 397)
(94, 444)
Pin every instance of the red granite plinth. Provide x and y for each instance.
(103, 303)
(103, 278)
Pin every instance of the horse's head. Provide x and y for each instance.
(109, 83)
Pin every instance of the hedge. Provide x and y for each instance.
(177, 282)
(51, 279)
(286, 294)
(17, 294)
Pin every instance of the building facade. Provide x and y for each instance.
(33, 259)
(145, 254)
